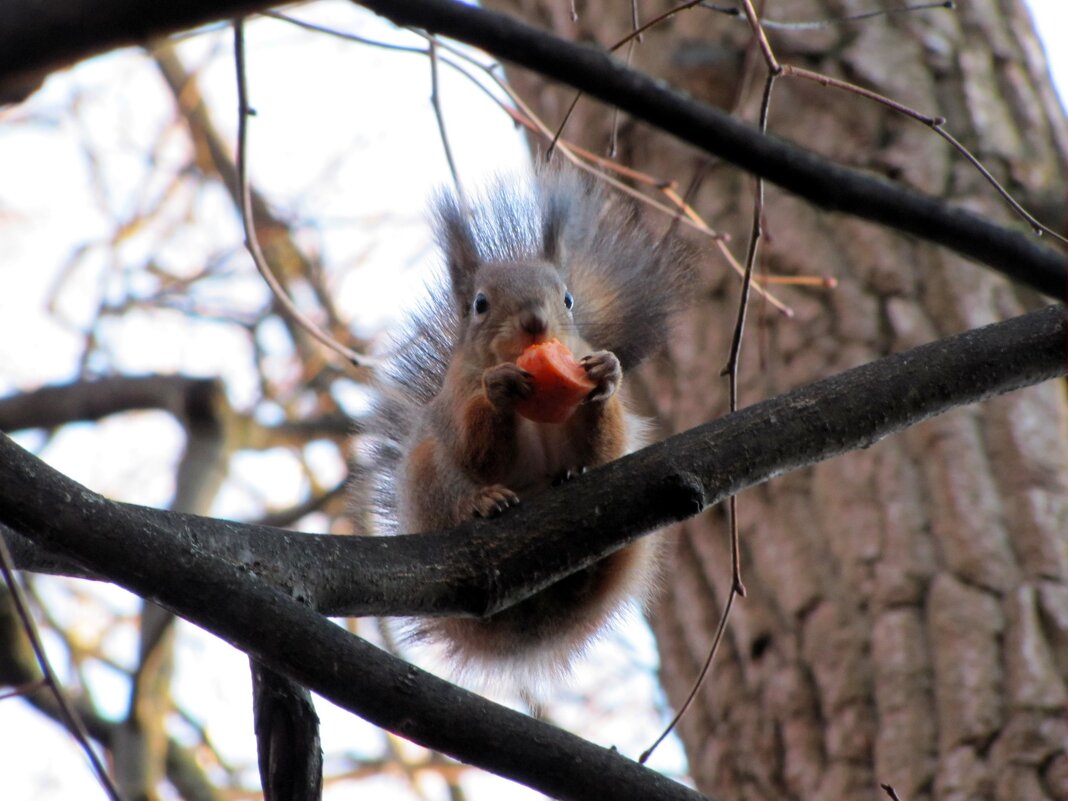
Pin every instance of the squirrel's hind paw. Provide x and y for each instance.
(568, 474)
(492, 500)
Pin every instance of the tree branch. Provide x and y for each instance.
(258, 618)
(39, 36)
(802, 172)
(49, 407)
(482, 567)
(36, 37)
(198, 404)
(174, 559)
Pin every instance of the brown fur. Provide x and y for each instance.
(487, 458)
(487, 439)
(588, 273)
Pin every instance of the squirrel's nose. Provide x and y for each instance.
(533, 322)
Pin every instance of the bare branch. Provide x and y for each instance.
(29, 48)
(49, 407)
(284, 634)
(38, 36)
(252, 243)
(796, 169)
(484, 566)
(71, 718)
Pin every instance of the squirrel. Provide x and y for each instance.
(559, 257)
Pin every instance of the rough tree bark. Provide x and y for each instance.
(907, 617)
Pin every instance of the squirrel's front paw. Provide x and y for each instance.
(505, 384)
(491, 500)
(603, 370)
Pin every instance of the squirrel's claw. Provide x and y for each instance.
(492, 500)
(569, 474)
(603, 370)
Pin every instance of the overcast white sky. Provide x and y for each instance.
(1051, 20)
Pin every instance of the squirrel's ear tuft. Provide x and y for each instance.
(458, 244)
(556, 210)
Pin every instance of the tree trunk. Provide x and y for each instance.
(907, 615)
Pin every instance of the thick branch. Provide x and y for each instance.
(168, 558)
(38, 36)
(812, 177)
(48, 407)
(482, 567)
(196, 403)
(287, 636)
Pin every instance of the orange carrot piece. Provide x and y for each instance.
(560, 382)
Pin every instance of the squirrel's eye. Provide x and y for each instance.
(481, 304)
(569, 300)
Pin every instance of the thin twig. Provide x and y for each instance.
(523, 115)
(690, 218)
(936, 124)
(756, 231)
(731, 371)
(435, 101)
(720, 629)
(635, 34)
(351, 37)
(737, 588)
(696, 180)
(826, 281)
(762, 39)
(23, 689)
(251, 241)
(1036, 226)
(70, 716)
(737, 585)
(635, 24)
(635, 21)
(555, 138)
(827, 23)
(641, 29)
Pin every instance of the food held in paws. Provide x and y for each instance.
(560, 382)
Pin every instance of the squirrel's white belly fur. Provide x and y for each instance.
(544, 453)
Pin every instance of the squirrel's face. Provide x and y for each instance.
(514, 306)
